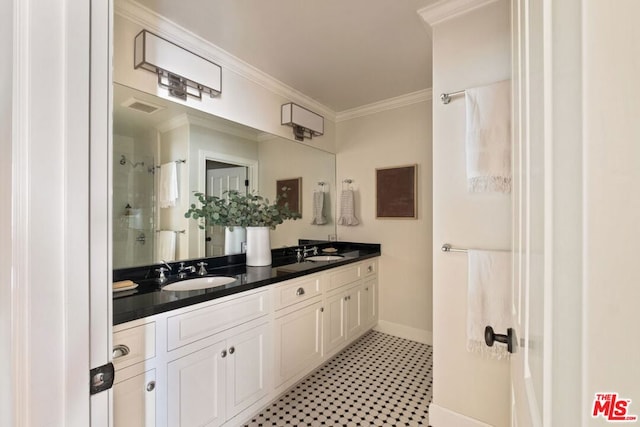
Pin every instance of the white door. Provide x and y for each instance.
(219, 181)
(247, 366)
(529, 222)
(196, 388)
(298, 342)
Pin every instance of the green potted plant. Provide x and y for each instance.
(251, 211)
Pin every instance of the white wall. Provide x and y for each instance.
(396, 137)
(612, 204)
(470, 50)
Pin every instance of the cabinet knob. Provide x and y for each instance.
(223, 353)
(370, 269)
(151, 385)
(120, 350)
(300, 291)
(232, 350)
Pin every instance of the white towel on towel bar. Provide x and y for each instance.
(318, 208)
(347, 209)
(166, 245)
(168, 186)
(488, 138)
(488, 299)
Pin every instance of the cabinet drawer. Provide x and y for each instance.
(343, 276)
(134, 345)
(297, 291)
(369, 268)
(197, 324)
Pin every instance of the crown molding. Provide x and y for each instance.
(384, 105)
(191, 120)
(444, 10)
(152, 21)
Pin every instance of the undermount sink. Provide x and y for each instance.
(324, 258)
(198, 283)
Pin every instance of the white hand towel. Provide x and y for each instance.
(318, 208)
(168, 188)
(166, 246)
(488, 300)
(488, 138)
(347, 209)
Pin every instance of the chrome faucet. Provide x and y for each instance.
(202, 271)
(305, 251)
(183, 270)
(161, 277)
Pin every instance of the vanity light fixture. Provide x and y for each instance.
(180, 71)
(305, 123)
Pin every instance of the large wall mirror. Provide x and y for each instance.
(155, 139)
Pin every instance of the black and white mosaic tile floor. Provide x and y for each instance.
(380, 380)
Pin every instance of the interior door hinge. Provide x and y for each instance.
(101, 378)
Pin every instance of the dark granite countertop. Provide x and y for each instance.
(148, 299)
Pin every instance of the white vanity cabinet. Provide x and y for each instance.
(218, 359)
(134, 388)
(343, 307)
(218, 362)
(297, 328)
(213, 384)
(369, 296)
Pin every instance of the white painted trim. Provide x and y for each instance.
(442, 417)
(406, 332)
(154, 22)
(20, 283)
(100, 202)
(386, 104)
(445, 10)
(203, 156)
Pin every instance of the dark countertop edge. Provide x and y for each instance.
(152, 309)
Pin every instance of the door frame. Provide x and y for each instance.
(206, 155)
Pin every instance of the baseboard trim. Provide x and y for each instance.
(442, 417)
(403, 331)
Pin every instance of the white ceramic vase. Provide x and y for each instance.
(258, 246)
(233, 240)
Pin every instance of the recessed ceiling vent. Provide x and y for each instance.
(143, 106)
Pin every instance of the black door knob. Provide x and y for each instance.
(207, 239)
(490, 337)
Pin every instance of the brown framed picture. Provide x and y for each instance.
(396, 190)
(292, 189)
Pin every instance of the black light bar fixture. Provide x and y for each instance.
(305, 123)
(180, 71)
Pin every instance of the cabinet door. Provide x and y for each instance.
(354, 311)
(335, 327)
(195, 385)
(369, 302)
(247, 368)
(298, 342)
(134, 401)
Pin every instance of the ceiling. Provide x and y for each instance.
(342, 53)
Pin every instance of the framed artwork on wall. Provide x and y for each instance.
(396, 192)
(292, 188)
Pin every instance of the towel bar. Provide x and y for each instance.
(447, 248)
